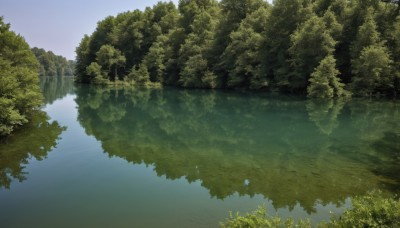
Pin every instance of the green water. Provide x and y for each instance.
(101, 157)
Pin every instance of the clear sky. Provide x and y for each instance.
(59, 25)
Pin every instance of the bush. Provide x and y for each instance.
(259, 218)
(372, 210)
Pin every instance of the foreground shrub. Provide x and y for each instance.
(372, 210)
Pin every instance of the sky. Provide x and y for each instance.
(59, 25)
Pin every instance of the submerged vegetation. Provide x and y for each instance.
(372, 210)
(325, 48)
(19, 82)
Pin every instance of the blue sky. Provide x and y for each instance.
(59, 25)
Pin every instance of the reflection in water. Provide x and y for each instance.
(54, 88)
(288, 150)
(388, 151)
(35, 139)
(324, 113)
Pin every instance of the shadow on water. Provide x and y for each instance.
(35, 140)
(287, 149)
(388, 152)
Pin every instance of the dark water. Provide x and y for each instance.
(101, 157)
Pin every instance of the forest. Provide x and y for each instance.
(20, 68)
(20, 95)
(245, 129)
(322, 48)
(53, 65)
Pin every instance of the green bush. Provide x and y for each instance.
(259, 218)
(372, 210)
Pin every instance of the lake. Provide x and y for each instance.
(106, 157)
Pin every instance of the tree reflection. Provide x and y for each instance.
(379, 129)
(36, 140)
(55, 88)
(324, 113)
(235, 142)
(388, 158)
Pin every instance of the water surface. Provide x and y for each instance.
(101, 157)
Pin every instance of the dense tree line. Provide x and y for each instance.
(53, 65)
(19, 82)
(326, 48)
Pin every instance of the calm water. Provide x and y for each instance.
(98, 157)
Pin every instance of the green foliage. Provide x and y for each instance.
(367, 35)
(283, 21)
(233, 12)
(10, 117)
(259, 218)
(97, 75)
(155, 59)
(247, 44)
(82, 60)
(371, 210)
(139, 75)
(110, 59)
(324, 82)
(53, 65)
(395, 53)
(242, 58)
(19, 82)
(310, 44)
(195, 68)
(373, 71)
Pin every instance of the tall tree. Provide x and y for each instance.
(155, 59)
(367, 35)
(324, 81)
(310, 44)
(102, 35)
(233, 12)
(372, 71)
(111, 60)
(285, 17)
(139, 75)
(395, 51)
(371, 61)
(96, 74)
(196, 70)
(19, 82)
(242, 58)
(82, 60)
